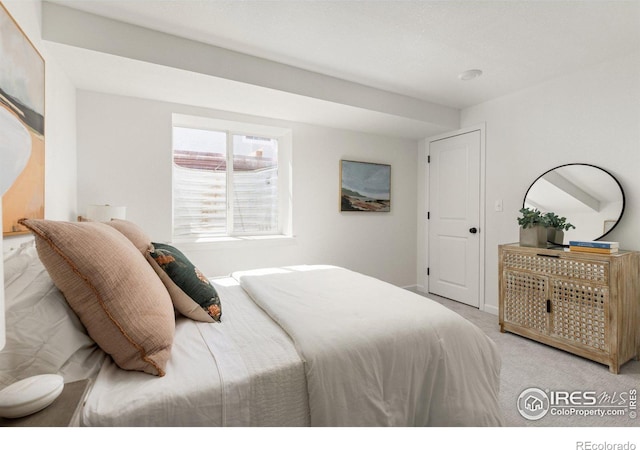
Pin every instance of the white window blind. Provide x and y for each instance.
(224, 184)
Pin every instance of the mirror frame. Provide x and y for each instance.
(596, 167)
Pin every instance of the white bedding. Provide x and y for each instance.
(316, 346)
(377, 355)
(243, 371)
(43, 333)
(312, 345)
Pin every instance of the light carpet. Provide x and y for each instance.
(527, 364)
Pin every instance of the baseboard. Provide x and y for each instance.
(491, 309)
(418, 288)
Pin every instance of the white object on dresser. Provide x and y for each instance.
(584, 303)
(30, 395)
(104, 213)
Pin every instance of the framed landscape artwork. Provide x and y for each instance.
(365, 186)
(22, 95)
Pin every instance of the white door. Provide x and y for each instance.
(454, 218)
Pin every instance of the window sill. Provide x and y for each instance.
(235, 242)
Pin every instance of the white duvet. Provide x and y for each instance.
(378, 355)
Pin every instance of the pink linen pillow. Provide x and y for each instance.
(133, 232)
(107, 282)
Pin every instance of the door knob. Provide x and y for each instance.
(473, 230)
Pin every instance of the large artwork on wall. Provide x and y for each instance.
(365, 186)
(21, 122)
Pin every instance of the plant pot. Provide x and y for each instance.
(535, 236)
(555, 236)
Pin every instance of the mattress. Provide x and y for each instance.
(243, 371)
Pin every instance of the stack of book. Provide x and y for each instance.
(606, 247)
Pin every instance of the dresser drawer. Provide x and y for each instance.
(593, 271)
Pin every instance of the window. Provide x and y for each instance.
(228, 182)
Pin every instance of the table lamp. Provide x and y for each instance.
(104, 213)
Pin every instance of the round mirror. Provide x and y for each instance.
(589, 197)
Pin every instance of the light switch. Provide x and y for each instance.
(498, 206)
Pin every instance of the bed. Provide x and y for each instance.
(296, 346)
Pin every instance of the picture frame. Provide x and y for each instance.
(365, 186)
(22, 111)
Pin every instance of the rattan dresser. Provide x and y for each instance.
(586, 304)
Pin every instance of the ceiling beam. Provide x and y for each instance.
(77, 28)
(572, 189)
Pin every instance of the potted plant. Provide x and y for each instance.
(556, 226)
(533, 232)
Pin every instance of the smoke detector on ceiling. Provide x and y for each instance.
(470, 74)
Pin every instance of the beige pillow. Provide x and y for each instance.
(192, 294)
(133, 232)
(110, 286)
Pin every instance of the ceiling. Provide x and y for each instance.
(412, 48)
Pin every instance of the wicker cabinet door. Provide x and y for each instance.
(580, 313)
(525, 300)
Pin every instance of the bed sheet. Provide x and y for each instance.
(243, 371)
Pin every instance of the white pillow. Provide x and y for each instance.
(43, 334)
(16, 262)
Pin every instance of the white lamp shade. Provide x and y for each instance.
(15, 149)
(104, 213)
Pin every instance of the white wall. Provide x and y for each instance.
(124, 158)
(592, 116)
(60, 122)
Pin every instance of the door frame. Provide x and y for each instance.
(482, 222)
